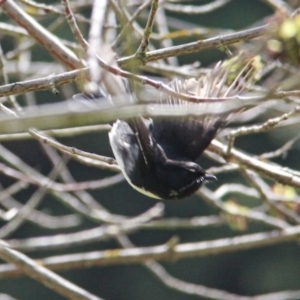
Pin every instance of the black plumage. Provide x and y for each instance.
(158, 156)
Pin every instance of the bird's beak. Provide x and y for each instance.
(210, 177)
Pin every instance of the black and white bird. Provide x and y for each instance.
(158, 156)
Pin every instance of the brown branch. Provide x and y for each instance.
(40, 34)
(44, 275)
(211, 43)
(163, 252)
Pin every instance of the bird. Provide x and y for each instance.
(158, 156)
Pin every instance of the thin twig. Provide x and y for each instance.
(44, 275)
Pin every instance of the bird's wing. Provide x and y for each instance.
(145, 139)
(187, 137)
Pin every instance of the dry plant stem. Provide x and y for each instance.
(269, 170)
(177, 284)
(110, 29)
(188, 29)
(7, 111)
(88, 185)
(195, 9)
(7, 215)
(282, 151)
(65, 198)
(77, 153)
(95, 40)
(62, 187)
(200, 290)
(102, 233)
(27, 44)
(17, 31)
(124, 18)
(41, 8)
(31, 204)
(285, 94)
(82, 207)
(211, 293)
(105, 232)
(172, 71)
(162, 28)
(43, 220)
(39, 218)
(12, 30)
(92, 213)
(73, 24)
(41, 84)
(178, 223)
(43, 275)
(70, 150)
(211, 43)
(284, 212)
(97, 234)
(67, 132)
(226, 168)
(79, 238)
(125, 27)
(48, 82)
(189, 288)
(4, 80)
(76, 114)
(11, 190)
(250, 215)
(141, 51)
(163, 252)
(51, 43)
(233, 188)
(271, 123)
(82, 195)
(145, 80)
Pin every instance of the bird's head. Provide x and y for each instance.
(178, 179)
